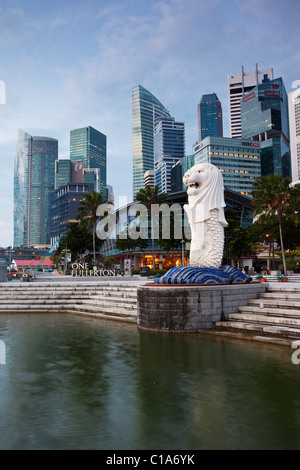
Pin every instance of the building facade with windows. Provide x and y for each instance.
(177, 172)
(34, 181)
(88, 145)
(92, 175)
(21, 190)
(166, 259)
(63, 172)
(149, 178)
(210, 120)
(265, 119)
(294, 119)
(169, 147)
(237, 159)
(146, 108)
(239, 84)
(64, 204)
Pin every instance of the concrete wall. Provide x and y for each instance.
(190, 308)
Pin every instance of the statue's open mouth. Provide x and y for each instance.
(194, 185)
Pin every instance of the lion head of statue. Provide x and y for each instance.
(205, 186)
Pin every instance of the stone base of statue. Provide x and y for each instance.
(192, 275)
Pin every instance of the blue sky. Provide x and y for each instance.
(68, 64)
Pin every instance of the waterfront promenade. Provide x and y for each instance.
(274, 317)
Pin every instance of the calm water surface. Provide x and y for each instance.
(79, 383)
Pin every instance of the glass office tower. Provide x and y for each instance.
(64, 204)
(210, 121)
(21, 170)
(88, 145)
(63, 172)
(145, 110)
(177, 172)
(169, 147)
(265, 119)
(34, 180)
(239, 84)
(237, 159)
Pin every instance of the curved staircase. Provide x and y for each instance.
(274, 317)
(115, 301)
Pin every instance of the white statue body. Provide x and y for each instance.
(205, 212)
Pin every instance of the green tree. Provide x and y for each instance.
(109, 262)
(148, 196)
(87, 214)
(77, 240)
(271, 198)
(239, 245)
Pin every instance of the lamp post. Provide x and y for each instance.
(182, 252)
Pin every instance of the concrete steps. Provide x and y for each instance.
(274, 317)
(291, 278)
(102, 300)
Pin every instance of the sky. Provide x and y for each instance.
(67, 64)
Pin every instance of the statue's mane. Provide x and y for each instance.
(210, 194)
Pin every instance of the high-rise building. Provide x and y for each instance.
(240, 84)
(64, 204)
(63, 172)
(92, 175)
(265, 119)
(146, 108)
(88, 145)
(210, 121)
(34, 180)
(21, 190)
(110, 194)
(294, 115)
(177, 172)
(237, 159)
(169, 147)
(149, 178)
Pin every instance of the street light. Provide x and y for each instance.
(182, 252)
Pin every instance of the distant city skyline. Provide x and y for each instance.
(63, 68)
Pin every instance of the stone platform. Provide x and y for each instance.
(190, 308)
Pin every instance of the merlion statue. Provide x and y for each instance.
(205, 212)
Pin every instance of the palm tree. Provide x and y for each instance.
(271, 198)
(148, 196)
(87, 214)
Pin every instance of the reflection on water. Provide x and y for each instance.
(79, 383)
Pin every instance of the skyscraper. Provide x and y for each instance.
(21, 171)
(63, 172)
(240, 84)
(169, 147)
(210, 122)
(294, 114)
(64, 204)
(264, 116)
(34, 180)
(177, 172)
(88, 145)
(146, 108)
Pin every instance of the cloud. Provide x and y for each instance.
(71, 64)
